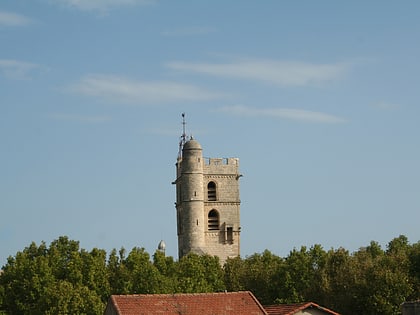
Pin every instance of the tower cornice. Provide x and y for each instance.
(221, 203)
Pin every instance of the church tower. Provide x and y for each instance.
(207, 202)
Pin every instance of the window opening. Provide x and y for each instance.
(211, 191)
(229, 234)
(213, 220)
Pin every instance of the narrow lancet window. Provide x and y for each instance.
(211, 191)
(229, 235)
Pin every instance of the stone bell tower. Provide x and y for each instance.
(207, 202)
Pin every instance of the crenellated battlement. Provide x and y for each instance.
(221, 161)
(224, 166)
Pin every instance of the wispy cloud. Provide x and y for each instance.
(15, 69)
(281, 73)
(80, 118)
(189, 31)
(13, 19)
(100, 5)
(284, 113)
(385, 105)
(124, 90)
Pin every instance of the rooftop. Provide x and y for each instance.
(290, 309)
(239, 303)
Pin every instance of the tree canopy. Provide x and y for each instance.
(63, 278)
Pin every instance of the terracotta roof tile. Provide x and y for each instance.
(290, 309)
(238, 303)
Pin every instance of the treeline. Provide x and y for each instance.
(65, 279)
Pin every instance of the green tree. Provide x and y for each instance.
(298, 276)
(339, 290)
(2, 293)
(316, 291)
(67, 298)
(261, 276)
(197, 273)
(65, 260)
(64, 279)
(166, 266)
(95, 272)
(118, 275)
(234, 272)
(26, 278)
(414, 271)
(142, 274)
(41, 280)
(380, 278)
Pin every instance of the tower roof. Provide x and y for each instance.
(192, 144)
(162, 245)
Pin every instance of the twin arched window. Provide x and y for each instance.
(213, 220)
(211, 191)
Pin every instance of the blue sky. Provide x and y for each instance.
(318, 99)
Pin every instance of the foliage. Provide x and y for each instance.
(63, 279)
(54, 280)
(256, 273)
(199, 274)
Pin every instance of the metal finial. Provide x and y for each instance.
(183, 139)
(184, 136)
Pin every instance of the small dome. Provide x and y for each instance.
(161, 246)
(192, 144)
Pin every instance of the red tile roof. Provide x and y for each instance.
(290, 309)
(238, 303)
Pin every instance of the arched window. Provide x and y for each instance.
(211, 191)
(213, 220)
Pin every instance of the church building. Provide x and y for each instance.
(207, 202)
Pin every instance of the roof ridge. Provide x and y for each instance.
(180, 293)
(296, 307)
(256, 301)
(303, 306)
